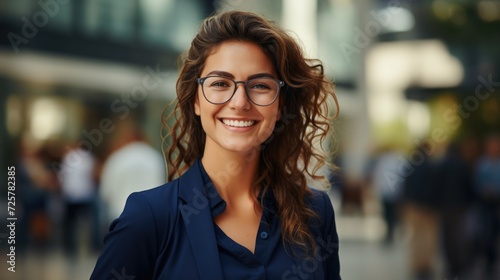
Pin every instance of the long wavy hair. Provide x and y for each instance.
(294, 152)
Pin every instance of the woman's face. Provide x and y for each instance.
(238, 125)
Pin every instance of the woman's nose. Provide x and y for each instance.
(240, 101)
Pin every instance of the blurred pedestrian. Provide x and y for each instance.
(388, 186)
(454, 177)
(78, 191)
(36, 185)
(133, 165)
(421, 196)
(487, 187)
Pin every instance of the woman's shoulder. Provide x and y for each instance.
(319, 199)
(150, 206)
(157, 198)
(325, 233)
(149, 212)
(164, 200)
(168, 188)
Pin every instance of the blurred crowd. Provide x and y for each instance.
(70, 194)
(445, 198)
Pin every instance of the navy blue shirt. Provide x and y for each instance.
(271, 260)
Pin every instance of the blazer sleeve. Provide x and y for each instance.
(330, 241)
(130, 246)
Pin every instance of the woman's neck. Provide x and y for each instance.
(232, 173)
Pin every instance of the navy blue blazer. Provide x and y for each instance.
(168, 233)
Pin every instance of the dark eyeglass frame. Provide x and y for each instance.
(245, 84)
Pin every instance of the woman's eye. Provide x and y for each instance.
(261, 86)
(219, 84)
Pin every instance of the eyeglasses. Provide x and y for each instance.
(261, 91)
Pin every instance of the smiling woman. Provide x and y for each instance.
(249, 108)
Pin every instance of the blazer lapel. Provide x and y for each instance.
(199, 225)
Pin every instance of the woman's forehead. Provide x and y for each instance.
(238, 58)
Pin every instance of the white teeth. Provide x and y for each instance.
(236, 123)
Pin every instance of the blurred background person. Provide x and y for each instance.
(421, 196)
(487, 188)
(78, 192)
(131, 165)
(454, 175)
(387, 183)
(36, 185)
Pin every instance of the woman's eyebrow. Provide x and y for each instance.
(260, 75)
(231, 76)
(221, 73)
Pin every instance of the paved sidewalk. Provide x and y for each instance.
(363, 257)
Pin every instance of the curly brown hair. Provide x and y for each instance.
(294, 150)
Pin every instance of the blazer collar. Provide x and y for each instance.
(195, 210)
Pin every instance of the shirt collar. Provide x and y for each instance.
(216, 203)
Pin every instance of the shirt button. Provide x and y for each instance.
(263, 235)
